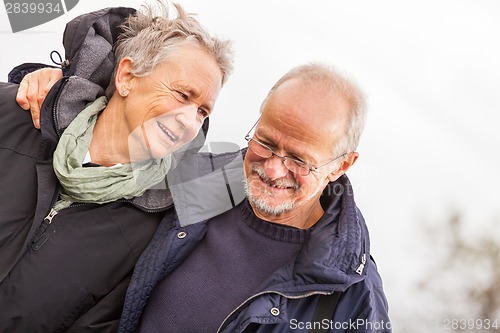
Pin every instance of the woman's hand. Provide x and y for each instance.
(34, 88)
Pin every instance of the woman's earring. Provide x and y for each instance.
(123, 92)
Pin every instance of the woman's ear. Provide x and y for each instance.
(124, 77)
(344, 166)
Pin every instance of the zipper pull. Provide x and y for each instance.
(40, 236)
(51, 215)
(359, 270)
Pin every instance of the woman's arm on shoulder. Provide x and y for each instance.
(34, 88)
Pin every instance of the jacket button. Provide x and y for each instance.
(275, 311)
(181, 234)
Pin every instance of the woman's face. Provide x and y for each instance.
(166, 109)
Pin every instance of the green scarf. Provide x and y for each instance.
(99, 184)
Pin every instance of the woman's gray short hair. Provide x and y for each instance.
(325, 77)
(150, 36)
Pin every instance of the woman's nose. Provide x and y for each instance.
(188, 117)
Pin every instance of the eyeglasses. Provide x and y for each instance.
(294, 165)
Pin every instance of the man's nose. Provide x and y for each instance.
(275, 168)
(188, 117)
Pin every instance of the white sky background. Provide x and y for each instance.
(430, 69)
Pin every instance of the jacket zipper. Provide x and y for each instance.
(271, 292)
(54, 118)
(40, 236)
(144, 209)
(51, 215)
(360, 268)
(47, 220)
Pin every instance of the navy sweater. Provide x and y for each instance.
(237, 254)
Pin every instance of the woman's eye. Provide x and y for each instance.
(182, 95)
(203, 113)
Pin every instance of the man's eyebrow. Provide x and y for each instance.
(264, 139)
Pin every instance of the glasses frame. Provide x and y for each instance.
(309, 167)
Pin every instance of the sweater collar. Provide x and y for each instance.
(271, 230)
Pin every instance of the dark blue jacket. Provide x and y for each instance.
(336, 257)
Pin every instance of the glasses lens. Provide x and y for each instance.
(259, 149)
(296, 167)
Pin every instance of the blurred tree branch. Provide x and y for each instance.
(464, 279)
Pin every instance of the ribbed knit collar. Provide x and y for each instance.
(271, 230)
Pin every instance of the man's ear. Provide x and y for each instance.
(124, 77)
(344, 166)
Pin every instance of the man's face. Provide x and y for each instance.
(166, 109)
(302, 122)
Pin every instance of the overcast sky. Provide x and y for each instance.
(430, 69)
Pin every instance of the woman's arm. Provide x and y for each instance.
(34, 88)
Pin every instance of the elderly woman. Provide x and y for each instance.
(82, 198)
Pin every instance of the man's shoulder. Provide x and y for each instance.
(365, 301)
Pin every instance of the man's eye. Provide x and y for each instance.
(299, 162)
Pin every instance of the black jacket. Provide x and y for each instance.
(68, 272)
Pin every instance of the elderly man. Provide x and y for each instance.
(264, 265)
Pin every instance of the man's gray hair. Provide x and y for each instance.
(150, 36)
(325, 77)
